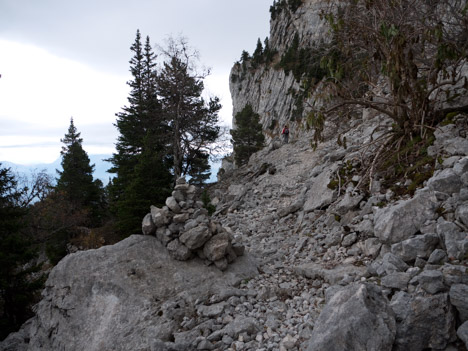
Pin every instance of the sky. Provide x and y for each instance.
(68, 58)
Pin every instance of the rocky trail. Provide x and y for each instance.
(287, 262)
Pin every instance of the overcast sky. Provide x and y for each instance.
(69, 58)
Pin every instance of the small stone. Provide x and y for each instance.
(147, 226)
(173, 205)
(431, 281)
(349, 240)
(437, 256)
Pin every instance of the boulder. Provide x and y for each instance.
(121, 297)
(419, 246)
(404, 219)
(178, 250)
(347, 319)
(459, 298)
(445, 181)
(320, 194)
(196, 237)
(216, 248)
(397, 280)
(389, 264)
(431, 281)
(348, 203)
(423, 322)
(171, 202)
(462, 214)
(159, 216)
(454, 240)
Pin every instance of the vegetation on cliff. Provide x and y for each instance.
(247, 137)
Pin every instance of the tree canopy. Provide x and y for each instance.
(247, 137)
(166, 131)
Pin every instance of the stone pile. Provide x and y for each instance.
(185, 228)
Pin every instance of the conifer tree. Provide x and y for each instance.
(140, 163)
(17, 287)
(192, 121)
(247, 137)
(75, 181)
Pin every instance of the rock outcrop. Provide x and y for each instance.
(270, 91)
(129, 296)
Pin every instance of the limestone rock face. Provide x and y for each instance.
(265, 87)
(345, 321)
(121, 297)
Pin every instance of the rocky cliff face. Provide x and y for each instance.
(271, 92)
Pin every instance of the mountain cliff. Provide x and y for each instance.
(327, 265)
(269, 89)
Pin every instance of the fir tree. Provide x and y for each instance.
(75, 181)
(191, 120)
(247, 138)
(140, 163)
(17, 287)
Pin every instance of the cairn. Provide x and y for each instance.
(185, 228)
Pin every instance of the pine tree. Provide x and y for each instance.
(140, 163)
(75, 181)
(257, 57)
(17, 287)
(247, 138)
(192, 121)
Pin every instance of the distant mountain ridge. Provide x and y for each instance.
(100, 169)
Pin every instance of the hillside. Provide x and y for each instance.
(311, 245)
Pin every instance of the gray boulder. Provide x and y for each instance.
(455, 241)
(431, 281)
(404, 219)
(445, 181)
(178, 250)
(389, 264)
(397, 280)
(319, 194)
(217, 247)
(330, 275)
(462, 214)
(171, 202)
(159, 216)
(121, 297)
(423, 322)
(196, 237)
(459, 298)
(348, 318)
(419, 246)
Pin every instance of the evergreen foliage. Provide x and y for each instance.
(280, 5)
(165, 132)
(17, 287)
(192, 121)
(247, 138)
(75, 181)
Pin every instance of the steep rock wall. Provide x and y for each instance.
(268, 88)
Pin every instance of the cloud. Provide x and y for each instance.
(63, 59)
